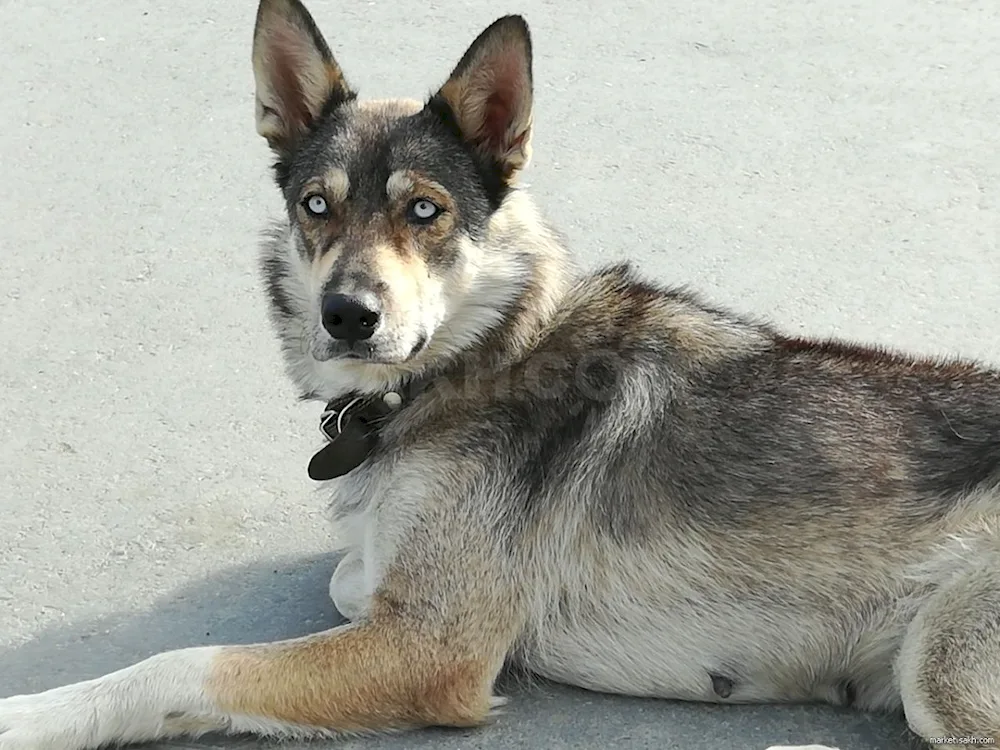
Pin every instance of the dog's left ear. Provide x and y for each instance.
(489, 94)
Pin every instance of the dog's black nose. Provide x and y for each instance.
(348, 318)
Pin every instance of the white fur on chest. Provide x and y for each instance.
(373, 512)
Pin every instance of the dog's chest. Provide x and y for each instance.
(372, 513)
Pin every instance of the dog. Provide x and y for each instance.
(598, 479)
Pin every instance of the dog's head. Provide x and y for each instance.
(382, 258)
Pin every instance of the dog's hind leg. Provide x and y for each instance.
(949, 663)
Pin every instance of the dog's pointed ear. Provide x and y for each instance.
(489, 95)
(295, 73)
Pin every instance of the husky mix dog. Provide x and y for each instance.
(591, 477)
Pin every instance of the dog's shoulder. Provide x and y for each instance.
(617, 309)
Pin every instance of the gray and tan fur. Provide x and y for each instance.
(604, 481)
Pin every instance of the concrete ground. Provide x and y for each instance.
(830, 164)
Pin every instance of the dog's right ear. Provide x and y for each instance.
(296, 75)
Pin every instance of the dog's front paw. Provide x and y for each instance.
(156, 698)
(348, 588)
(54, 720)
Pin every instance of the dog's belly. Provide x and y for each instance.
(620, 661)
(732, 657)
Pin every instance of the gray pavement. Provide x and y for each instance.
(831, 165)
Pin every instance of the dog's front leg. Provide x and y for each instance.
(349, 588)
(383, 674)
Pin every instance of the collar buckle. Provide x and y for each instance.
(336, 416)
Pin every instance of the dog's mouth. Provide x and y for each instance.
(365, 351)
(325, 351)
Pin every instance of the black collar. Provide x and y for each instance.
(351, 424)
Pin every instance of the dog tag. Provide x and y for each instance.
(351, 424)
(347, 450)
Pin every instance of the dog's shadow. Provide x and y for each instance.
(288, 598)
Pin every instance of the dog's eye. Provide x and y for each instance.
(316, 205)
(423, 211)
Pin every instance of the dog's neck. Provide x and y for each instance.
(524, 322)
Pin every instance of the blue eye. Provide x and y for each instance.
(316, 205)
(423, 211)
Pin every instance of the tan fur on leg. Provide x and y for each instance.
(379, 675)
